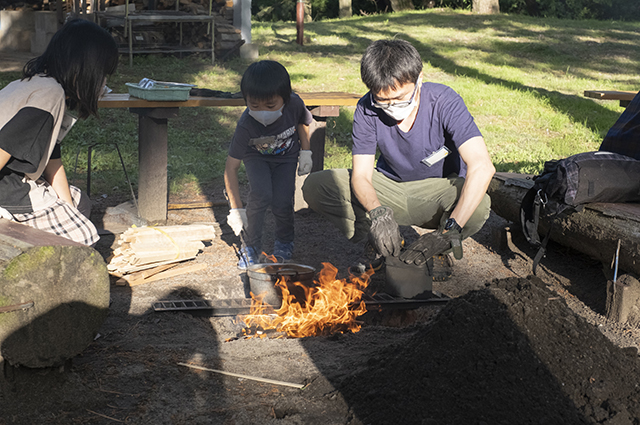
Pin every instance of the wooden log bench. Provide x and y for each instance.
(625, 97)
(594, 231)
(54, 296)
(153, 137)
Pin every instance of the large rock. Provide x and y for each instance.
(64, 287)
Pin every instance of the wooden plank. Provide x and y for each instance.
(196, 205)
(170, 18)
(610, 94)
(24, 236)
(124, 100)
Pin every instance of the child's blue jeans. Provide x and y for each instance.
(272, 185)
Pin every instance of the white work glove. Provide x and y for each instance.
(237, 219)
(304, 163)
(5, 214)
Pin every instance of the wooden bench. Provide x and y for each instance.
(625, 97)
(153, 137)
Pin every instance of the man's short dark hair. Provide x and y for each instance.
(387, 64)
(265, 79)
(79, 56)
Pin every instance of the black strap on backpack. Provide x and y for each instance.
(534, 200)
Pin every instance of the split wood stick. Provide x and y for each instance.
(178, 229)
(144, 274)
(253, 378)
(170, 273)
(166, 246)
(150, 257)
(127, 268)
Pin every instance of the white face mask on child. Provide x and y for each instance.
(266, 117)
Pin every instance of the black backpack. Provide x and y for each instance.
(565, 185)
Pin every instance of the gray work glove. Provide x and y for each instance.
(384, 234)
(305, 162)
(431, 244)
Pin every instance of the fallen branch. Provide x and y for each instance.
(105, 416)
(252, 378)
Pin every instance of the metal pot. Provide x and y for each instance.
(262, 279)
(407, 280)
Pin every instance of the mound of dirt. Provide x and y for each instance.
(512, 353)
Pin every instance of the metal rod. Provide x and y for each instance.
(300, 22)
(126, 175)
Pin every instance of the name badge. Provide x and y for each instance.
(436, 156)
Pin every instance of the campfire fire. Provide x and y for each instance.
(329, 307)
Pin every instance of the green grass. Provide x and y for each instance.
(522, 79)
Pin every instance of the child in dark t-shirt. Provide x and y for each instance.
(272, 139)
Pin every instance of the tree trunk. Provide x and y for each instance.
(486, 7)
(54, 295)
(345, 8)
(399, 5)
(594, 231)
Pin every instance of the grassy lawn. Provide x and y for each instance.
(522, 79)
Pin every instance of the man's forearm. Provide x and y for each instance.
(362, 181)
(475, 187)
(366, 194)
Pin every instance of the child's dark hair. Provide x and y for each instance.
(387, 64)
(265, 79)
(79, 56)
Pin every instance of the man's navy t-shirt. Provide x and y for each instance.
(442, 120)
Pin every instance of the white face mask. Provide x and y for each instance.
(401, 110)
(266, 117)
(399, 113)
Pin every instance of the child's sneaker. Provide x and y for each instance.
(283, 251)
(248, 257)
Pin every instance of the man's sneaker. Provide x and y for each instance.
(248, 257)
(283, 251)
(370, 259)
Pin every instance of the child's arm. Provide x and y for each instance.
(303, 135)
(231, 182)
(305, 161)
(54, 173)
(237, 217)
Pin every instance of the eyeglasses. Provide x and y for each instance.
(397, 104)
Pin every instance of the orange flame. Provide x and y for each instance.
(331, 306)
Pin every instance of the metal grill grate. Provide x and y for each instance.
(235, 306)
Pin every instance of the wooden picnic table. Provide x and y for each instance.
(625, 97)
(153, 119)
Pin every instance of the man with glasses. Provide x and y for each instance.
(433, 170)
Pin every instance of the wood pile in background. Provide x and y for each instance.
(194, 35)
(143, 248)
(222, 8)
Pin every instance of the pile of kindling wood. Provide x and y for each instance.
(142, 248)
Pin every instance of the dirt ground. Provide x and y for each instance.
(507, 349)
